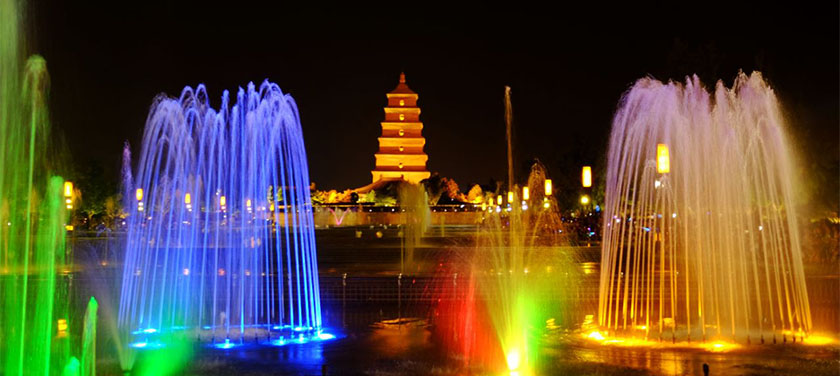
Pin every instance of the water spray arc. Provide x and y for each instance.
(220, 238)
(700, 236)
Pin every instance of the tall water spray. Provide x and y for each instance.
(34, 335)
(700, 236)
(220, 237)
(513, 288)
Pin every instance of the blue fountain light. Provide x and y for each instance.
(225, 345)
(325, 336)
(300, 338)
(220, 236)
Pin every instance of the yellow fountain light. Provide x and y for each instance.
(187, 199)
(818, 340)
(499, 200)
(68, 189)
(548, 187)
(584, 199)
(721, 346)
(586, 176)
(68, 227)
(510, 197)
(139, 194)
(595, 335)
(525, 194)
(663, 159)
(513, 359)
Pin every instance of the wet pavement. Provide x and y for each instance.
(352, 307)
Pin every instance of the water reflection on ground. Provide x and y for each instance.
(369, 345)
(361, 311)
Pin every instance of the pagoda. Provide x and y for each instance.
(401, 155)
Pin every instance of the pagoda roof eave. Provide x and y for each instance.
(402, 94)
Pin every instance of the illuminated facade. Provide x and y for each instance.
(401, 155)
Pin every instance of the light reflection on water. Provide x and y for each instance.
(751, 360)
(365, 348)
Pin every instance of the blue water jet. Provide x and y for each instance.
(220, 237)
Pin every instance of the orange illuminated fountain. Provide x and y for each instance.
(700, 237)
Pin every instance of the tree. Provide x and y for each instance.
(475, 195)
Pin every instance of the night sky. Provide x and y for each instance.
(567, 68)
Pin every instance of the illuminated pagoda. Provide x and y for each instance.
(401, 155)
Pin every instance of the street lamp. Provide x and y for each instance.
(68, 194)
(663, 160)
(586, 176)
(139, 196)
(584, 199)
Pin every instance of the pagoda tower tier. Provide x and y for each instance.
(401, 155)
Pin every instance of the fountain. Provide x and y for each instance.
(514, 288)
(34, 332)
(416, 219)
(220, 239)
(700, 238)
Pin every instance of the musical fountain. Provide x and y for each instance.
(700, 236)
(34, 318)
(220, 241)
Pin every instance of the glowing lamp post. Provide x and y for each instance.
(499, 200)
(68, 189)
(510, 197)
(586, 176)
(548, 187)
(139, 196)
(663, 159)
(68, 194)
(584, 200)
(62, 328)
(525, 194)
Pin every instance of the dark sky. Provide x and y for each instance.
(567, 67)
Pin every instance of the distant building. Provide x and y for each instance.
(401, 155)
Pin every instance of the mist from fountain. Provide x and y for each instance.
(700, 237)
